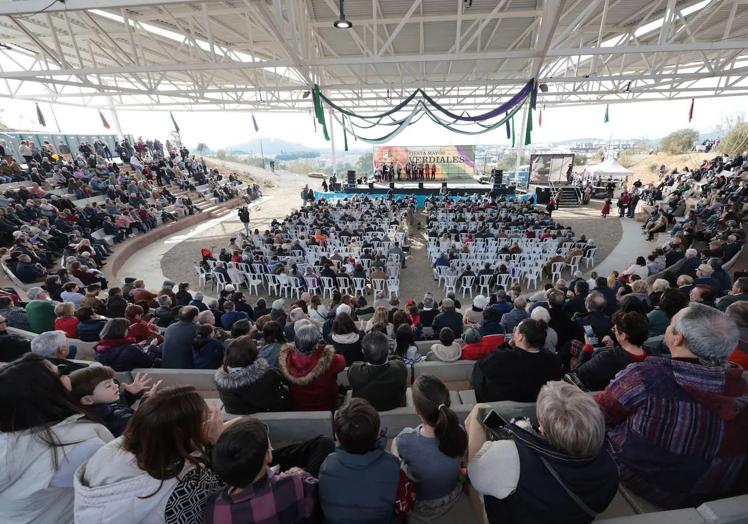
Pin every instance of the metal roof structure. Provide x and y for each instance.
(264, 55)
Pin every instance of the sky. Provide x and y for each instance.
(219, 130)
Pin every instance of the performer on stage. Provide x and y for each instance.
(426, 171)
(433, 171)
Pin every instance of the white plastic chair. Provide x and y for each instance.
(378, 284)
(273, 286)
(589, 258)
(328, 286)
(556, 269)
(296, 287)
(484, 283)
(201, 276)
(253, 282)
(393, 287)
(284, 281)
(450, 282)
(311, 284)
(344, 284)
(574, 263)
(467, 285)
(359, 286)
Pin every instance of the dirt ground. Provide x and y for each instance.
(282, 194)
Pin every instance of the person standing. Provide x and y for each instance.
(244, 217)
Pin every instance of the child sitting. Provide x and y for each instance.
(255, 493)
(66, 321)
(447, 350)
(98, 392)
(358, 483)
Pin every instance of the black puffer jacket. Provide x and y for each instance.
(247, 390)
(382, 385)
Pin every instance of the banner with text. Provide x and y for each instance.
(551, 169)
(451, 162)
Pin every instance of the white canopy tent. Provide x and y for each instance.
(609, 168)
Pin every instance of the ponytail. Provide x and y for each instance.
(431, 399)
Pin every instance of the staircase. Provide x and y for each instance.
(568, 196)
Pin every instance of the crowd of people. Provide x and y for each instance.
(662, 344)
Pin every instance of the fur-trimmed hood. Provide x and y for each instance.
(302, 369)
(236, 378)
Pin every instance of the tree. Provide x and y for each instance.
(201, 147)
(736, 140)
(679, 142)
(365, 164)
(221, 154)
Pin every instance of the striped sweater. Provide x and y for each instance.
(677, 429)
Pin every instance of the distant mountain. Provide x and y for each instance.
(270, 147)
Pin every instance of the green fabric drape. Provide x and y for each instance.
(319, 111)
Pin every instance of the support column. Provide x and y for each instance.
(115, 119)
(332, 140)
(519, 139)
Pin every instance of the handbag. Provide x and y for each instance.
(405, 499)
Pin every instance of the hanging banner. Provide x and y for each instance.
(444, 162)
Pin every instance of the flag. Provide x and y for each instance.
(176, 127)
(40, 116)
(540, 118)
(606, 119)
(690, 112)
(103, 120)
(508, 128)
(254, 123)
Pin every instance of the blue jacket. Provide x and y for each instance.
(228, 319)
(359, 489)
(209, 355)
(512, 319)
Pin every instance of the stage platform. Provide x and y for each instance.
(429, 189)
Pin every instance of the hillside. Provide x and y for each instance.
(646, 167)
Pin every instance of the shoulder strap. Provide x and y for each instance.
(579, 502)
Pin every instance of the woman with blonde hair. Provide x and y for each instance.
(612, 279)
(381, 318)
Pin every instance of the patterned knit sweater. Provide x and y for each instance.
(677, 429)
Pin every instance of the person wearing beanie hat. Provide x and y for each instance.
(474, 315)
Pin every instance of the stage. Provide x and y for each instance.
(400, 190)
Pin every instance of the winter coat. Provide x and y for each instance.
(207, 354)
(348, 345)
(115, 307)
(312, 377)
(358, 489)
(250, 389)
(122, 354)
(111, 487)
(30, 487)
(88, 330)
(383, 385)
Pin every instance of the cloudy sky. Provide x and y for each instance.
(219, 130)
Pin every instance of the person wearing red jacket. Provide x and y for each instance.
(139, 329)
(311, 369)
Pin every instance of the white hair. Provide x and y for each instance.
(46, 344)
(34, 293)
(709, 334)
(690, 253)
(571, 419)
(660, 285)
(540, 313)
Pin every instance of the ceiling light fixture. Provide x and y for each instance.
(306, 94)
(342, 22)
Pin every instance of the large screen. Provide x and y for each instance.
(551, 169)
(452, 162)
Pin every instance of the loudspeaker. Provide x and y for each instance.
(371, 185)
(420, 185)
(444, 185)
(392, 185)
(498, 177)
(351, 177)
(543, 194)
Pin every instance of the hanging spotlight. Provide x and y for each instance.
(306, 94)
(342, 22)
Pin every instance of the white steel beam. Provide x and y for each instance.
(25, 7)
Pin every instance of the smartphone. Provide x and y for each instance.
(591, 335)
(494, 421)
